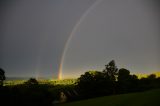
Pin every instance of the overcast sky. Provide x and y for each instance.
(33, 35)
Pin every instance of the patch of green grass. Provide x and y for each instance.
(147, 98)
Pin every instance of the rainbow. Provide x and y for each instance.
(71, 35)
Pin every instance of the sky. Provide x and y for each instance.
(65, 38)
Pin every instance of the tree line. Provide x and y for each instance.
(113, 81)
(91, 84)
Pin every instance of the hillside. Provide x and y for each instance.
(147, 98)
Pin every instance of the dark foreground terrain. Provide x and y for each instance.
(147, 98)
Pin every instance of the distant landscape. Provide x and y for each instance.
(21, 80)
(104, 86)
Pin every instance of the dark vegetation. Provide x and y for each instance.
(113, 81)
(2, 77)
(146, 98)
(110, 81)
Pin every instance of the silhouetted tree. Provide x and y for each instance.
(2, 76)
(123, 80)
(32, 81)
(152, 81)
(152, 77)
(111, 70)
(127, 82)
(91, 84)
(123, 73)
(110, 74)
(134, 83)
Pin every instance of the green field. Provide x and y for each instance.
(52, 82)
(147, 98)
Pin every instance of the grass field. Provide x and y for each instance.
(147, 98)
